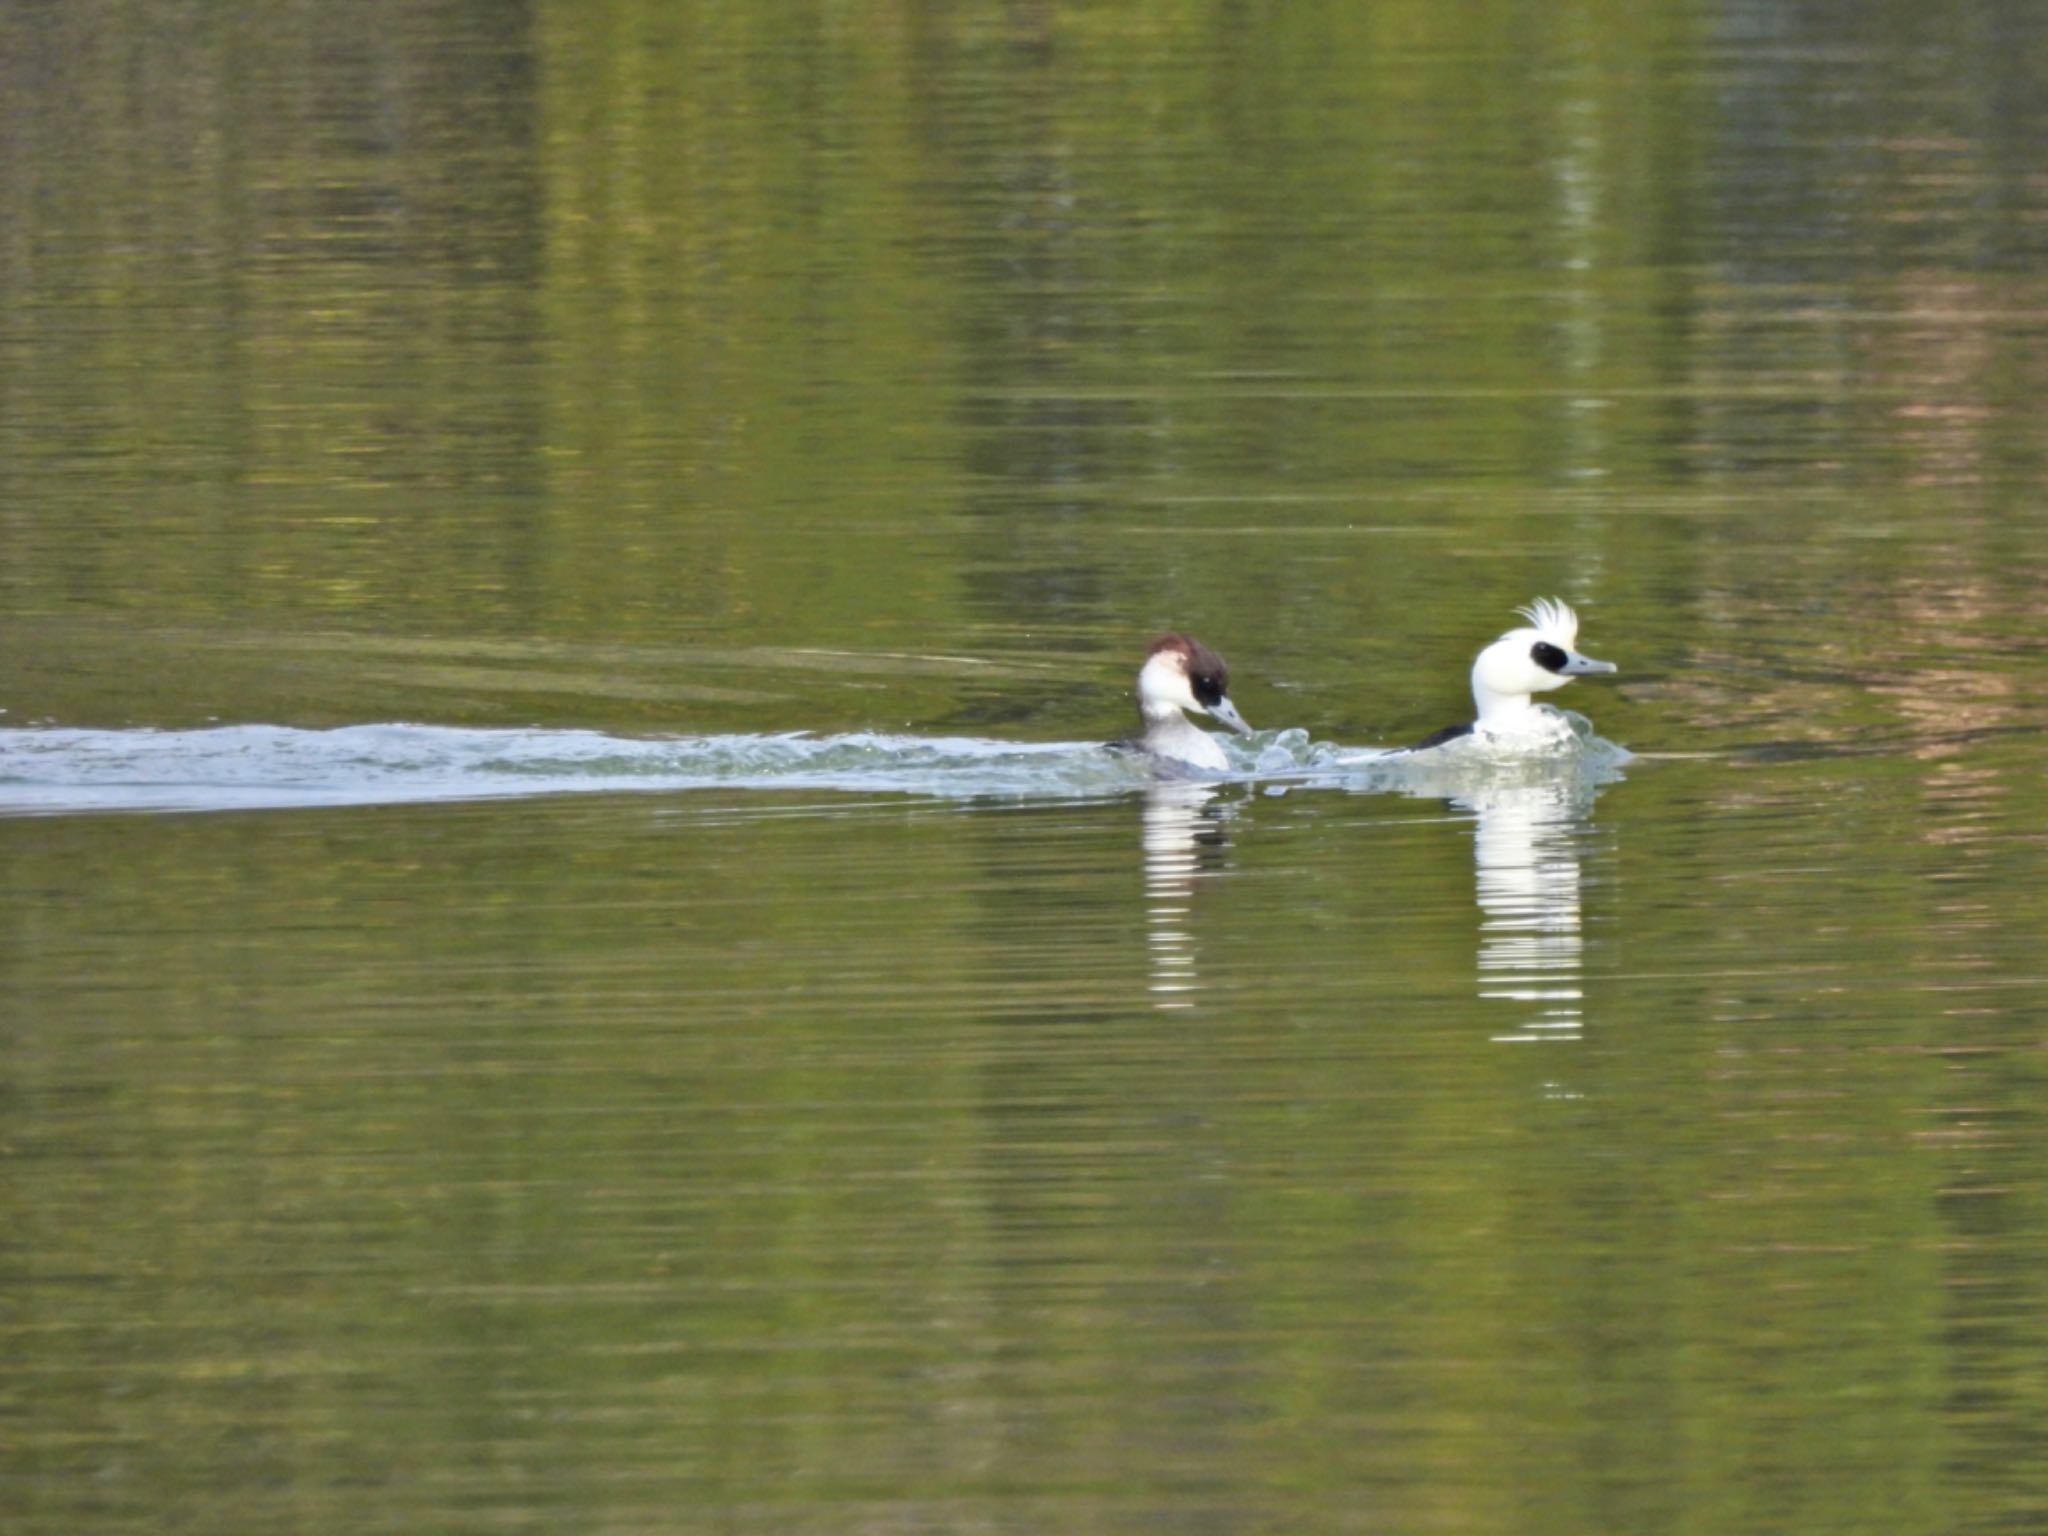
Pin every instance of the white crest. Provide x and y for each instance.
(1553, 620)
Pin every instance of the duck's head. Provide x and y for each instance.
(1534, 659)
(1182, 673)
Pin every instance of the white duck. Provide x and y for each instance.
(1523, 662)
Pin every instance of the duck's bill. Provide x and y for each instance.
(1226, 711)
(1584, 666)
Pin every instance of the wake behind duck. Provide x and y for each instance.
(50, 770)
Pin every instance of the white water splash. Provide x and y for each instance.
(56, 770)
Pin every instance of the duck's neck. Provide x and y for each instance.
(1499, 710)
(1169, 733)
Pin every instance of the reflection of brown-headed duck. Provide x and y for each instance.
(1520, 663)
(1180, 674)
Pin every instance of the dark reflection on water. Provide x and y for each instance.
(802, 1161)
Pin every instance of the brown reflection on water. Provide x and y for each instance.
(1956, 675)
(1943, 352)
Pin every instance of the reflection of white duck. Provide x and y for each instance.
(1534, 659)
(1525, 847)
(1180, 674)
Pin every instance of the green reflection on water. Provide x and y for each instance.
(570, 1156)
(701, 1158)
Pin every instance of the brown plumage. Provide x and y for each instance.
(1208, 674)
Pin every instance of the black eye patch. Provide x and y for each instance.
(1208, 687)
(1549, 657)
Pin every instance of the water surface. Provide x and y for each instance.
(567, 958)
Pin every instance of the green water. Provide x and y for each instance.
(1668, 1159)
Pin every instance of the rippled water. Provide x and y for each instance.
(568, 958)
